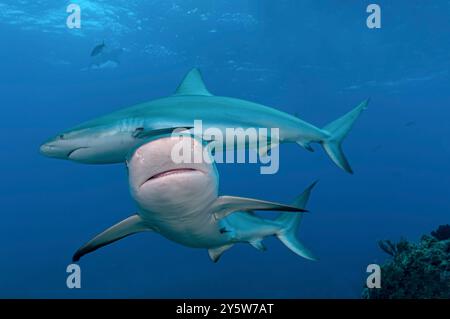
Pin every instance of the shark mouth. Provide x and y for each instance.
(74, 150)
(170, 172)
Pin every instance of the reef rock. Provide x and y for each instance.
(416, 270)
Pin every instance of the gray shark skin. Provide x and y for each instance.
(109, 138)
(180, 202)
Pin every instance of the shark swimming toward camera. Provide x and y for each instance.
(180, 201)
(109, 138)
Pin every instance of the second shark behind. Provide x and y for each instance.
(109, 138)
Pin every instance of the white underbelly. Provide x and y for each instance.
(197, 229)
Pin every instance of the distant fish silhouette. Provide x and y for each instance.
(98, 49)
(108, 58)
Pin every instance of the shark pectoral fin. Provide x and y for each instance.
(141, 132)
(258, 244)
(215, 253)
(192, 84)
(225, 205)
(132, 225)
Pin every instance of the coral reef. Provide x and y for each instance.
(442, 233)
(394, 249)
(416, 270)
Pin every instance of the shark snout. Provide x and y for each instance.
(50, 150)
(53, 149)
(46, 149)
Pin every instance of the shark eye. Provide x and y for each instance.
(61, 137)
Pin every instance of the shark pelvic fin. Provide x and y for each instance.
(225, 205)
(132, 225)
(258, 244)
(192, 84)
(215, 253)
(306, 145)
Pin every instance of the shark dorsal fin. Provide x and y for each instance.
(192, 84)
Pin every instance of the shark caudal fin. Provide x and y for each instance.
(291, 223)
(338, 130)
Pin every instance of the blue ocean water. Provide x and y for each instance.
(313, 58)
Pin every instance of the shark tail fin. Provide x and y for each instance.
(290, 224)
(338, 130)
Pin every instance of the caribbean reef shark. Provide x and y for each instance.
(180, 201)
(109, 138)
